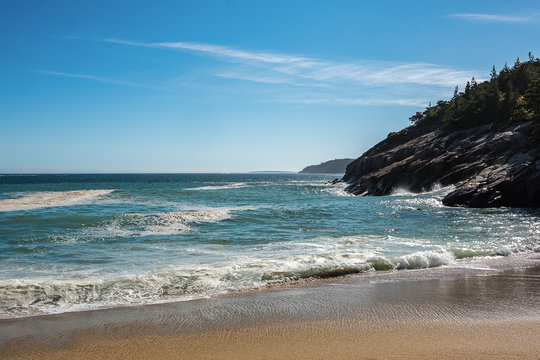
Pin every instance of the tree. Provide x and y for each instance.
(493, 73)
(468, 89)
(532, 98)
(416, 117)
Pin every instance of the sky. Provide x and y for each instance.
(230, 85)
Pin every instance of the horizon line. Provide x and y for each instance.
(144, 173)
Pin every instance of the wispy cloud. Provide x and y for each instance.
(104, 80)
(261, 77)
(297, 78)
(217, 50)
(493, 18)
(270, 68)
(338, 101)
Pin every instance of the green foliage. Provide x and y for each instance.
(396, 133)
(510, 97)
(532, 100)
(416, 117)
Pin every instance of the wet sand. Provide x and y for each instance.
(480, 312)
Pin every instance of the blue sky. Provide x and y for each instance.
(233, 86)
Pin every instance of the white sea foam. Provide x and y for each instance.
(237, 271)
(436, 189)
(423, 260)
(166, 223)
(401, 192)
(235, 185)
(336, 189)
(43, 199)
(177, 222)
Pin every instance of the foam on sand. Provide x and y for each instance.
(42, 199)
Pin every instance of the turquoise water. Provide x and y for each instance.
(72, 242)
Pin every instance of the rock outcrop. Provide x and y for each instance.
(488, 167)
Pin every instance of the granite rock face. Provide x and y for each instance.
(489, 168)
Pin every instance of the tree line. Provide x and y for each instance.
(511, 96)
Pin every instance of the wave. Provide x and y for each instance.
(156, 224)
(172, 223)
(43, 199)
(436, 190)
(235, 185)
(336, 189)
(38, 296)
(31, 297)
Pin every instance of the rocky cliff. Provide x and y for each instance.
(485, 141)
(488, 168)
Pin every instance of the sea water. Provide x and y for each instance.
(75, 242)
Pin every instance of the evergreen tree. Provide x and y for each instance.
(416, 117)
(532, 98)
(493, 73)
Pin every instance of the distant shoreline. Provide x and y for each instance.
(336, 167)
(149, 173)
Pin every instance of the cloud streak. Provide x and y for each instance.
(339, 101)
(217, 50)
(269, 68)
(493, 18)
(100, 79)
(300, 79)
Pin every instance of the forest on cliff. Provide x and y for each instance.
(511, 96)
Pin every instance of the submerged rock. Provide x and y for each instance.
(333, 182)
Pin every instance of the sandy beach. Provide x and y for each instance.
(482, 311)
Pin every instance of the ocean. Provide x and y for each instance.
(71, 242)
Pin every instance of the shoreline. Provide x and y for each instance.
(460, 266)
(355, 316)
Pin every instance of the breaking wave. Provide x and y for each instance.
(30, 297)
(235, 185)
(37, 296)
(336, 189)
(43, 199)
